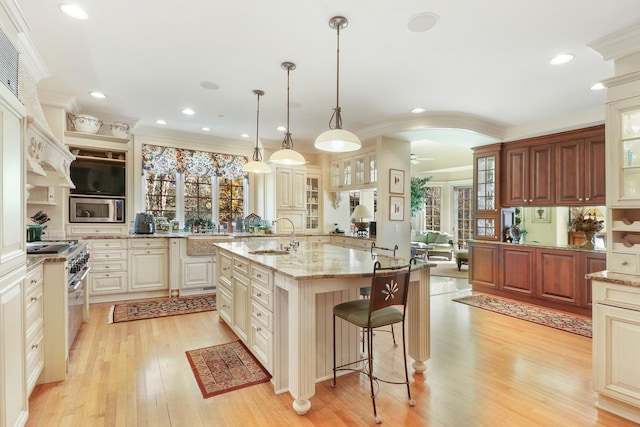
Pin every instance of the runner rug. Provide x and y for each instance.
(161, 307)
(225, 367)
(554, 319)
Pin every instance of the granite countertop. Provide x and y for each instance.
(315, 260)
(33, 260)
(616, 278)
(221, 236)
(541, 245)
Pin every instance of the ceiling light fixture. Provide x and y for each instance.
(161, 122)
(244, 135)
(281, 128)
(188, 112)
(563, 58)
(98, 95)
(256, 165)
(336, 139)
(206, 129)
(286, 155)
(73, 11)
(418, 110)
(597, 86)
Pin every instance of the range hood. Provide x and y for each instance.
(48, 160)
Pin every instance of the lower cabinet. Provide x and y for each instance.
(245, 302)
(544, 276)
(616, 348)
(148, 264)
(109, 273)
(13, 393)
(34, 321)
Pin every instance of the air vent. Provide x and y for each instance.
(8, 64)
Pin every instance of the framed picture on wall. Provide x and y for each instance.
(541, 215)
(396, 208)
(396, 181)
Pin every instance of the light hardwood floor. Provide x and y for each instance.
(486, 369)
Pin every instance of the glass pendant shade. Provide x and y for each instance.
(337, 141)
(256, 165)
(287, 155)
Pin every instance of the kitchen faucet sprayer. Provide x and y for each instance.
(293, 243)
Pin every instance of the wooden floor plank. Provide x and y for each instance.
(486, 369)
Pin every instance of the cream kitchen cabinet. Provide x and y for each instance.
(262, 319)
(365, 170)
(109, 272)
(616, 348)
(84, 230)
(290, 188)
(313, 202)
(197, 271)
(13, 389)
(148, 264)
(34, 322)
(341, 174)
(241, 299)
(224, 291)
(352, 242)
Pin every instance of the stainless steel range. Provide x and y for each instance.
(78, 298)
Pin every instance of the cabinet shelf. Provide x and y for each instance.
(96, 136)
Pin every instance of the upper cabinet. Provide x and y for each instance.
(624, 151)
(580, 169)
(314, 199)
(291, 185)
(529, 173)
(486, 173)
(354, 172)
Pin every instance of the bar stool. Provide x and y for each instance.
(389, 289)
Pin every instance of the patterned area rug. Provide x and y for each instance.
(161, 307)
(554, 319)
(225, 367)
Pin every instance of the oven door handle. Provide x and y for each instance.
(77, 283)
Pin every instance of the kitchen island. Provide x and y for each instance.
(281, 307)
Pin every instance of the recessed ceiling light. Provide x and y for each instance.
(98, 95)
(597, 86)
(563, 58)
(188, 112)
(422, 22)
(73, 11)
(209, 85)
(418, 110)
(281, 128)
(161, 122)
(206, 129)
(244, 135)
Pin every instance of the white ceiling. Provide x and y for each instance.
(486, 64)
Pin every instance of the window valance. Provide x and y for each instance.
(168, 160)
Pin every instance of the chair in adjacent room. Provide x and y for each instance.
(385, 306)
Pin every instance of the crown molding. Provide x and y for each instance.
(619, 44)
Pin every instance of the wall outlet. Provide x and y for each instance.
(397, 227)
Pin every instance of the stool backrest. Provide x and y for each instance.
(389, 286)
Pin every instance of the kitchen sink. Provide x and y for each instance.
(269, 252)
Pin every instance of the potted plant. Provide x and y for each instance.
(585, 219)
(516, 231)
(417, 193)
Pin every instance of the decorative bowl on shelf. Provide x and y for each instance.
(85, 123)
(120, 130)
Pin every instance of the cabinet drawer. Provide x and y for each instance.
(241, 265)
(225, 283)
(262, 276)
(264, 296)
(108, 255)
(616, 295)
(622, 263)
(34, 278)
(96, 230)
(340, 241)
(34, 355)
(319, 239)
(105, 266)
(224, 305)
(225, 265)
(262, 344)
(33, 309)
(149, 243)
(108, 283)
(262, 315)
(108, 244)
(361, 244)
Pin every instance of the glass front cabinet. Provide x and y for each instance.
(487, 189)
(314, 197)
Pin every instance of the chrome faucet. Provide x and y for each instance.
(293, 243)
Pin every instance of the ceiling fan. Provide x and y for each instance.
(415, 159)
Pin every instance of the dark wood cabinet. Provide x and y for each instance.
(486, 186)
(518, 274)
(548, 277)
(529, 172)
(580, 170)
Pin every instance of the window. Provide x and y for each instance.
(186, 184)
(432, 208)
(161, 195)
(464, 212)
(197, 197)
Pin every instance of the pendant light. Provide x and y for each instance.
(286, 155)
(256, 165)
(336, 139)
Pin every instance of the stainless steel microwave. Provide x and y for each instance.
(96, 209)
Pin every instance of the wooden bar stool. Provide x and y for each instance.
(385, 306)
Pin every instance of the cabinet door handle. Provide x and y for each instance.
(258, 314)
(623, 262)
(33, 281)
(259, 276)
(259, 295)
(34, 347)
(258, 329)
(530, 200)
(580, 198)
(587, 198)
(34, 299)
